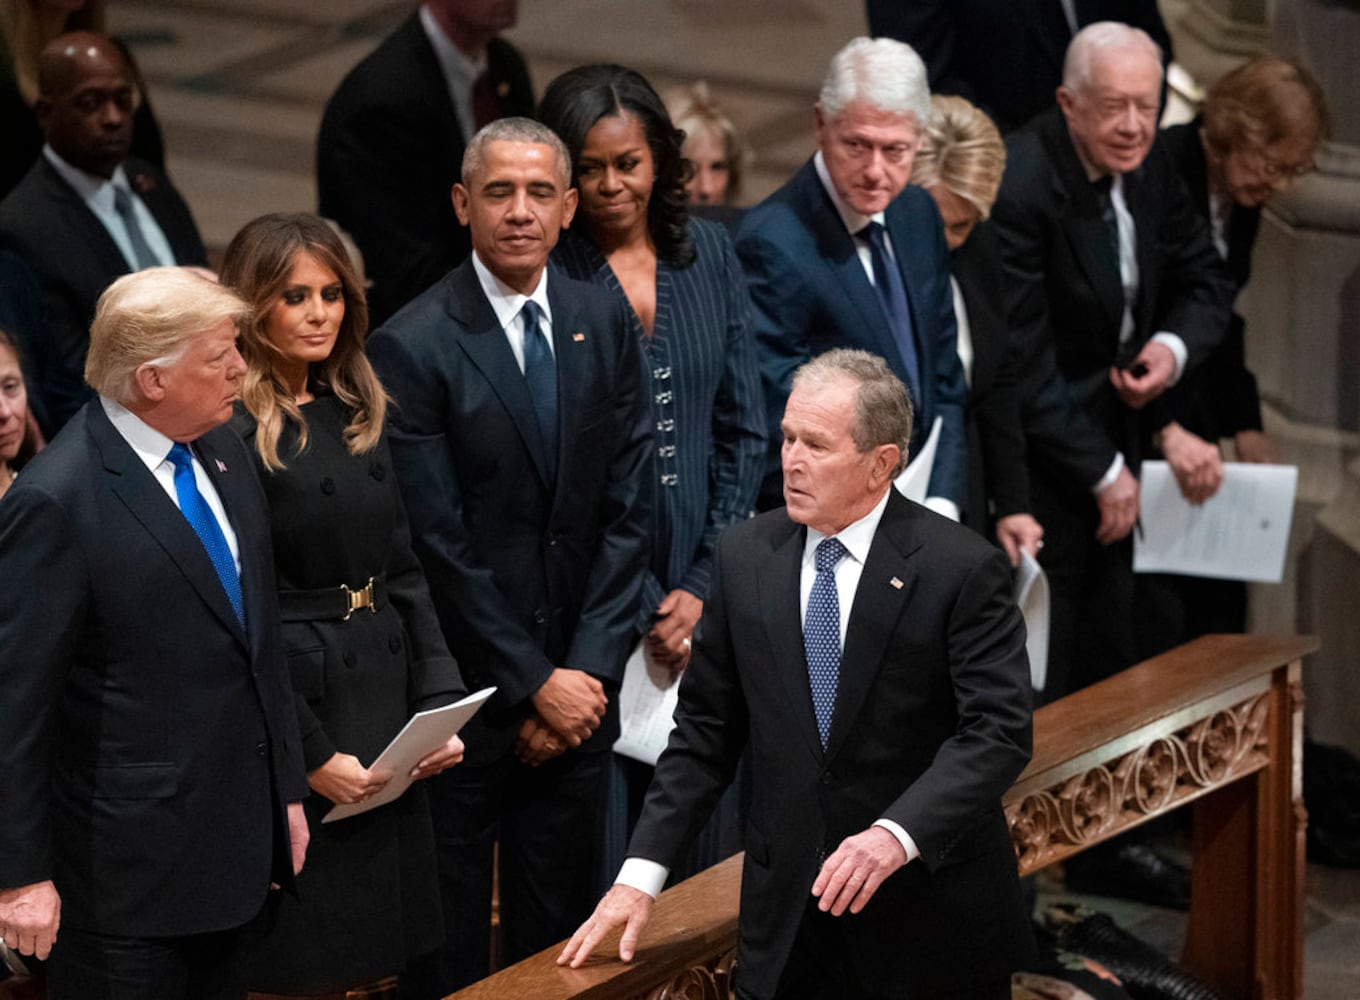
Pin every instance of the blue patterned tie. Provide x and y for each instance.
(540, 372)
(892, 295)
(822, 635)
(200, 517)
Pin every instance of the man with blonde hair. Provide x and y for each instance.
(847, 255)
(153, 771)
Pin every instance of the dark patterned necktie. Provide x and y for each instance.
(892, 295)
(822, 635)
(540, 371)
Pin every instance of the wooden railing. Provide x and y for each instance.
(1216, 723)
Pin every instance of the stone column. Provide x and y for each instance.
(1303, 342)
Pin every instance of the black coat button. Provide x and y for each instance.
(377, 471)
(394, 643)
(826, 778)
(328, 486)
(261, 748)
(540, 617)
(351, 660)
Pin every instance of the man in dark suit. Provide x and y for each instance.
(153, 771)
(85, 212)
(1114, 291)
(394, 133)
(846, 255)
(878, 862)
(1004, 55)
(521, 442)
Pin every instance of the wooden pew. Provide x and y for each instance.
(1217, 723)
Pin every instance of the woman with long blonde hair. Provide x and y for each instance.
(364, 647)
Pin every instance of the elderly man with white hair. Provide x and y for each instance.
(1114, 290)
(846, 255)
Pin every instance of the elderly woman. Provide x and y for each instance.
(960, 164)
(712, 145)
(687, 300)
(19, 437)
(1261, 125)
(364, 647)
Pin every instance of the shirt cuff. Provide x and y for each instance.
(1176, 346)
(944, 506)
(903, 838)
(643, 875)
(1111, 474)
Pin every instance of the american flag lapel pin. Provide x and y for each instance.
(221, 465)
(896, 583)
(578, 337)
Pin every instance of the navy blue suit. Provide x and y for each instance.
(527, 574)
(148, 742)
(810, 293)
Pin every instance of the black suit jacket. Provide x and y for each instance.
(810, 293)
(996, 441)
(74, 259)
(931, 726)
(148, 742)
(1221, 398)
(388, 153)
(1065, 300)
(1004, 55)
(526, 574)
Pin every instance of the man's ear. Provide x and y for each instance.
(150, 382)
(461, 199)
(569, 202)
(885, 461)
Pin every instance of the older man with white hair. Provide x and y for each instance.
(152, 768)
(1114, 291)
(846, 255)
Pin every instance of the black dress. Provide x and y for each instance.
(367, 896)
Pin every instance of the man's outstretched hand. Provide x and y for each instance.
(622, 904)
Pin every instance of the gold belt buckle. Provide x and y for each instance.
(361, 598)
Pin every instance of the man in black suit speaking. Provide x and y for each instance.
(152, 768)
(520, 440)
(882, 733)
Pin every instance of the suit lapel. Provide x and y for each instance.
(837, 248)
(234, 492)
(83, 227)
(1087, 233)
(144, 497)
(486, 347)
(917, 270)
(777, 580)
(885, 588)
(574, 353)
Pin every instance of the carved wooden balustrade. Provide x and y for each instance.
(1217, 723)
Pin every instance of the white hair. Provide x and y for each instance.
(1093, 41)
(880, 72)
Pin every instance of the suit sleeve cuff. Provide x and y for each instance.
(1173, 343)
(903, 838)
(945, 507)
(643, 875)
(1111, 474)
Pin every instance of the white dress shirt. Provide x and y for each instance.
(649, 876)
(508, 305)
(153, 448)
(97, 193)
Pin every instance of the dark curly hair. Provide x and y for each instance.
(580, 97)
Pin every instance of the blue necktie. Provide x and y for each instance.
(822, 635)
(892, 295)
(540, 372)
(200, 517)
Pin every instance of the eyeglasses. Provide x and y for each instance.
(1276, 170)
